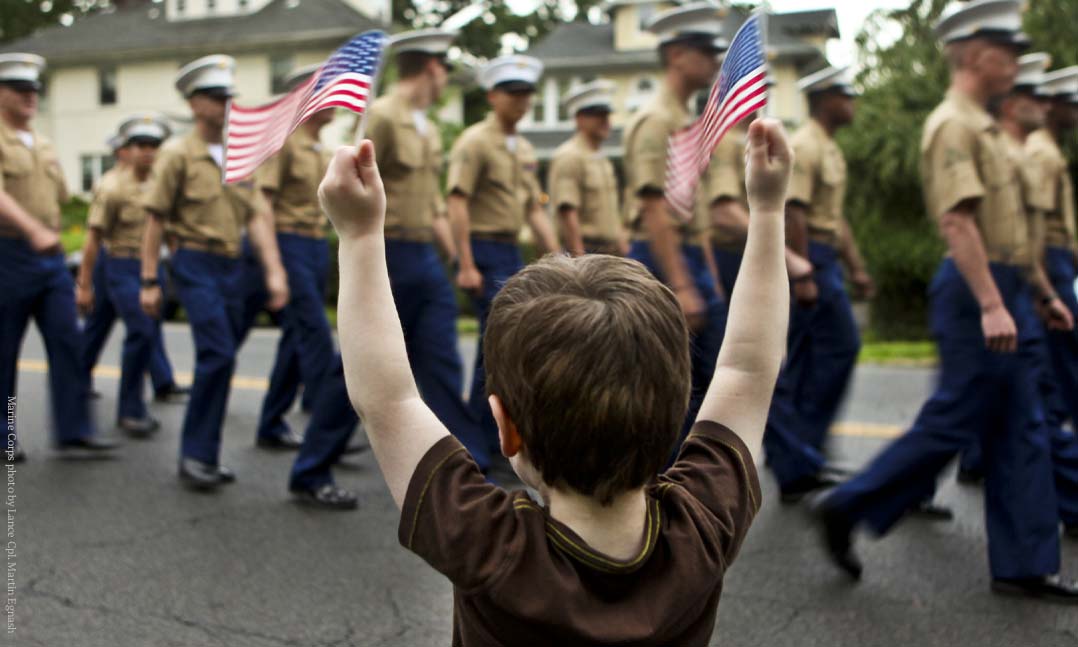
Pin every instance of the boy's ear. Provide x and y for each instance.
(508, 436)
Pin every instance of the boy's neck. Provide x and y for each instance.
(616, 530)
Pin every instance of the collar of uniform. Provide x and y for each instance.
(582, 146)
(982, 120)
(495, 129)
(10, 134)
(402, 111)
(819, 131)
(668, 100)
(1043, 139)
(198, 146)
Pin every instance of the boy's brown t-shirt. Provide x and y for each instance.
(522, 578)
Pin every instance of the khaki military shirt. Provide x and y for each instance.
(410, 163)
(725, 179)
(818, 180)
(32, 177)
(583, 179)
(501, 185)
(963, 157)
(187, 192)
(117, 210)
(293, 175)
(1054, 188)
(646, 139)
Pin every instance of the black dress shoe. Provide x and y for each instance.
(969, 477)
(329, 497)
(173, 393)
(94, 394)
(287, 441)
(200, 476)
(837, 532)
(226, 474)
(1049, 587)
(92, 447)
(794, 492)
(1070, 530)
(139, 427)
(14, 456)
(932, 511)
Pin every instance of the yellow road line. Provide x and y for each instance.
(251, 383)
(242, 382)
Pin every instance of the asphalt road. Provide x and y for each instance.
(114, 553)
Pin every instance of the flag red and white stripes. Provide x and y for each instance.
(740, 90)
(345, 80)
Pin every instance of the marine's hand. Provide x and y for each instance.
(1000, 333)
(44, 240)
(352, 194)
(149, 297)
(277, 286)
(863, 285)
(692, 305)
(1056, 316)
(84, 299)
(768, 160)
(469, 279)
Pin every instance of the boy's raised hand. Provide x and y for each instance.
(768, 161)
(352, 194)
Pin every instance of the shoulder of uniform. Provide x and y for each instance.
(470, 136)
(945, 117)
(566, 150)
(174, 146)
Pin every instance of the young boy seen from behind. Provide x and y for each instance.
(588, 375)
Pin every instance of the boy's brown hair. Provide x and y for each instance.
(590, 357)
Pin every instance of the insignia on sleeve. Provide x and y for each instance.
(953, 156)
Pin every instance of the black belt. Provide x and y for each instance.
(508, 238)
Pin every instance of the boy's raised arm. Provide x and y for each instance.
(752, 350)
(399, 424)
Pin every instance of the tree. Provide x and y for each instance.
(903, 80)
(23, 17)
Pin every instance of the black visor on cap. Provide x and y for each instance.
(142, 139)
(1016, 39)
(21, 85)
(217, 92)
(515, 87)
(698, 40)
(597, 110)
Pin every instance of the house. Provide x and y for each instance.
(110, 64)
(620, 50)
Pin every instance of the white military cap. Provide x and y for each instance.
(698, 24)
(115, 142)
(597, 96)
(210, 74)
(829, 78)
(1060, 84)
(22, 71)
(1031, 68)
(512, 73)
(144, 126)
(425, 41)
(998, 20)
(299, 76)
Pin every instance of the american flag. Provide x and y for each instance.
(345, 80)
(740, 89)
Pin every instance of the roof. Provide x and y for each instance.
(142, 30)
(580, 45)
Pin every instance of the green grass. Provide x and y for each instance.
(72, 238)
(899, 353)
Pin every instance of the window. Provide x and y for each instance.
(181, 6)
(563, 89)
(243, 4)
(280, 67)
(211, 5)
(106, 86)
(92, 167)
